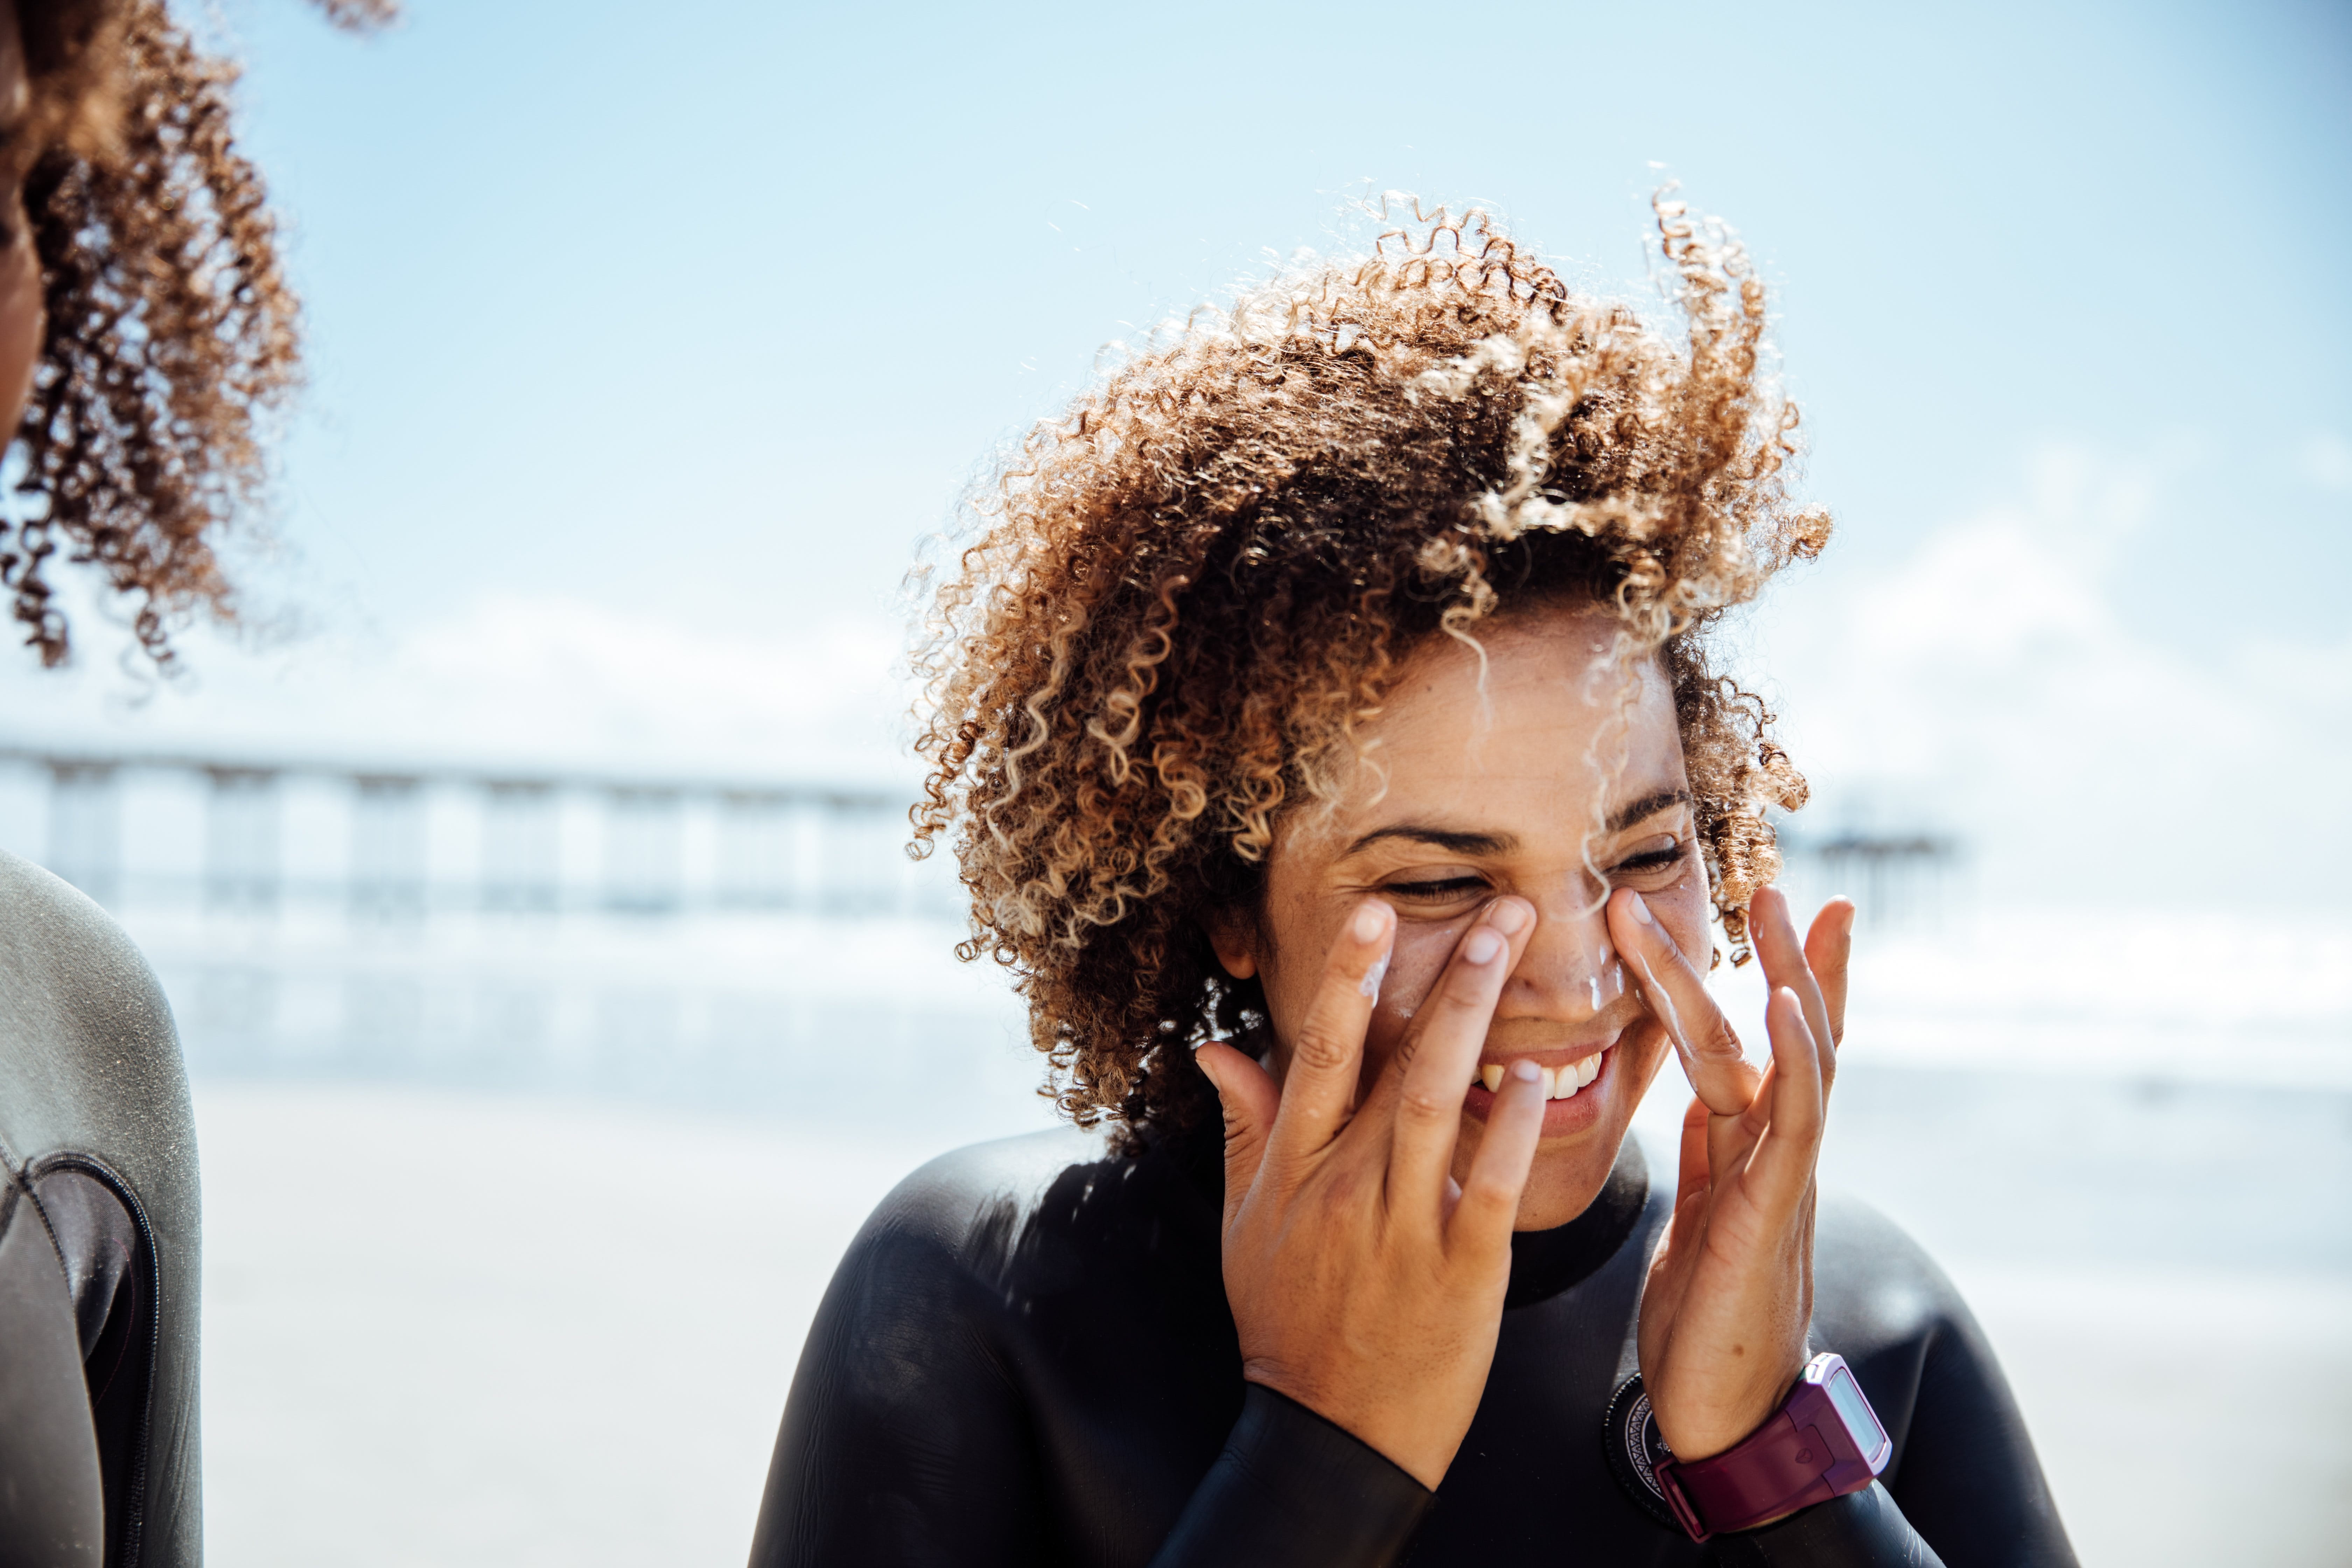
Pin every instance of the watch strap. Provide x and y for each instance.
(1809, 1451)
(1780, 1466)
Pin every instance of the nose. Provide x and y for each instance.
(1570, 971)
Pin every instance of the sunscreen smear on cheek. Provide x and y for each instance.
(1415, 961)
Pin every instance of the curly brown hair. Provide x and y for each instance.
(170, 329)
(1186, 597)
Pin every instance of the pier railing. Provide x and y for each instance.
(756, 940)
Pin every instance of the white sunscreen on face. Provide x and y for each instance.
(1606, 981)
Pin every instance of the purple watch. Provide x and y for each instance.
(1823, 1442)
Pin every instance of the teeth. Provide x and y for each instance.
(1558, 1083)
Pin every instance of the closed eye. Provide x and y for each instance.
(1656, 861)
(1663, 859)
(1444, 891)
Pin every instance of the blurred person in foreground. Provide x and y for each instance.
(144, 329)
(1326, 720)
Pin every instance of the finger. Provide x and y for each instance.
(1692, 1171)
(1247, 1091)
(1731, 1139)
(1704, 1040)
(1805, 1246)
(1318, 1085)
(1771, 925)
(1441, 1055)
(1828, 947)
(1694, 1180)
(1481, 1223)
(1783, 1167)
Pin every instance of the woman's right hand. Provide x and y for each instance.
(1366, 1283)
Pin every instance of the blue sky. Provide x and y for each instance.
(691, 328)
(678, 312)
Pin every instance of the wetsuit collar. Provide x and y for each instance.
(1546, 1262)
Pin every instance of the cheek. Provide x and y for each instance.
(1415, 963)
(1682, 911)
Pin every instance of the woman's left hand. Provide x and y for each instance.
(1730, 1289)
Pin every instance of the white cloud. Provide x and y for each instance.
(2326, 461)
(1990, 591)
(1988, 684)
(531, 681)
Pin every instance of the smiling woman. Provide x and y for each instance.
(1325, 724)
(1282, 504)
(1478, 780)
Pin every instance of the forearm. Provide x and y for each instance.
(1290, 1488)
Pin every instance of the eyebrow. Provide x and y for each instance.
(1649, 806)
(1439, 838)
(1458, 842)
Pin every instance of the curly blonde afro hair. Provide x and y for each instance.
(1184, 598)
(171, 328)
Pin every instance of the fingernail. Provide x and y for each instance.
(1640, 908)
(1483, 945)
(1510, 916)
(1525, 1071)
(1368, 921)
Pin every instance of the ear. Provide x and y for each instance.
(1233, 936)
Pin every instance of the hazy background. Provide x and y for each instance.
(646, 348)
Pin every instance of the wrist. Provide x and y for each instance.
(1697, 1435)
(1823, 1442)
(1713, 1408)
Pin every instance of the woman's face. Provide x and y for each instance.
(1470, 787)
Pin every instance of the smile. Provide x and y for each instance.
(1558, 1083)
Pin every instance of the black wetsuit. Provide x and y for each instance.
(98, 1245)
(1026, 1357)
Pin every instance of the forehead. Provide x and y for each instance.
(1548, 720)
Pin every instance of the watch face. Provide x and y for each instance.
(1629, 1435)
(1861, 1423)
